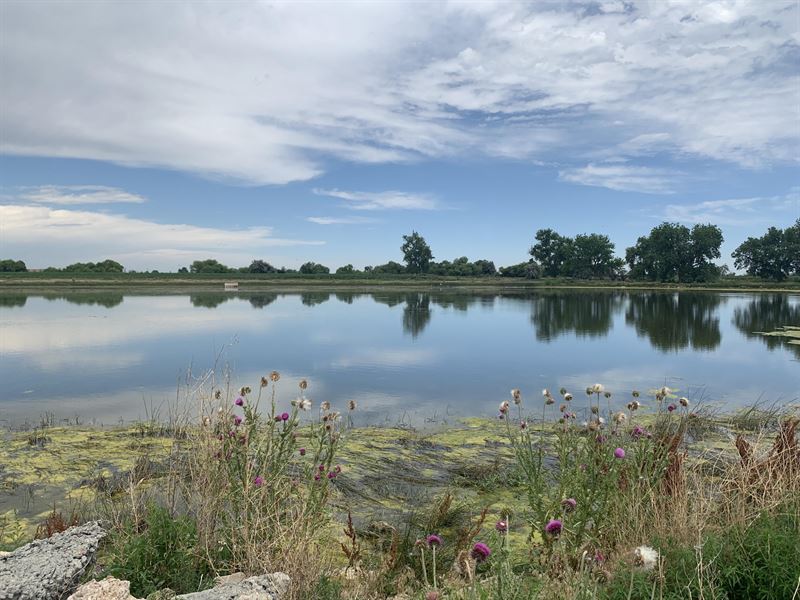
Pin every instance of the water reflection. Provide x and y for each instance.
(676, 321)
(766, 313)
(416, 314)
(12, 300)
(588, 314)
(105, 299)
(314, 298)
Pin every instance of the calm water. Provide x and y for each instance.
(401, 355)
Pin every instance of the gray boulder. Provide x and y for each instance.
(49, 569)
(260, 587)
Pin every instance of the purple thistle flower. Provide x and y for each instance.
(522, 424)
(316, 477)
(337, 469)
(637, 432)
(237, 420)
(321, 468)
(239, 401)
(480, 552)
(619, 453)
(258, 481)
(569, 504)
(277, 418)
(501, 526)
(285, 417)
(554, 527)
(433, 540)
(302, 451)
(331, 475)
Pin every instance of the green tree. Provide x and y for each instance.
(312, 268)
(551, 251)
(416, 253)
(390, 268)
(261, 266)
(673, 252)
(12, 266)
(774, 255)
(592, 257)
(209, 265)
(345, 270)
(529, 270)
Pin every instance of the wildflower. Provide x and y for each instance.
(665, 391)
(619, 418)
(595, 410)
(645, 557)
(433, 540)
(237, 420)
(304, 404)
(321, 468)
(337, 469)
(331, 475)
(671, 407)
(433, 595)
(589, 391)
(562, 391)
(325, 406)
(244, 391)
(274, 376)
(569, 504)
(637, 432)
(352, 405)
(635, 393)
(593, 426)
(634, 405)
(567, 396)
(303, 384)
(601, 421)
(553, 527)
(549, 400)
(264, 382)
(684, 402)
(258, 481)
(285, 416)
(545, 392)
(600, 439)
(239, 401)
(619, 453)
(562, 408)
(504, 407)
(277, 418)
(206, 421)
(316, 477)
(598, 388)
(501, 526)
(516, 395)
(523, 424)
(480, 552)
(302, 451)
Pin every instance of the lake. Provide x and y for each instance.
(403, 356)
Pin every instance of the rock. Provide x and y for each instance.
(229, 579)
(109, 588)
(49, 569)
(165, 594)
(260, 587)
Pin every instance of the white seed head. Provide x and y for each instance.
(598, 388)
(646, 557)
(684, 402)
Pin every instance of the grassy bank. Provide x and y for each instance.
(561, 498)
(295, 282)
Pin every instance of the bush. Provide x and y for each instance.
(158, 553)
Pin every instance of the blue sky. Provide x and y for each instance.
(157, 134)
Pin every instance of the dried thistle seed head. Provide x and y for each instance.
(567, 396)
(598, 388)
(595, 410)
(516, 395)
(549, 400)
(218, 394)
(352, 405)
(325, 406)
(607, 394)
(619, 418)
(303, 384)
(274, 376)
(635, 393)
(504, 407)
(264, 382)
(562, 408)
(684, 402)
(589, 391)
(562, 391)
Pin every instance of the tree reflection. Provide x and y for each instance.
(676, 321)
(262, 300)
(347, 297)
(584, 313)
(105, 299)
(209, 300)
(12, 300)
(314, 298)
(765, 313)
(416, 313)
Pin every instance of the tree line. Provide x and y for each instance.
(671, 252)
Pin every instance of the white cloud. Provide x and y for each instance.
(79, 194)
(47, 236)
(736, 211)
(622, 177)
(268, 93)
(390, 200)
(340, 220)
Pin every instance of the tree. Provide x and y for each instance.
(209, 265)
(183, 270)
(260, 266)
(551, 251)
(673, 252)
(528, 270)
(390, 268)
(312, 268)
(345, 270)
(592, 257)
(107, 266)
(416, 253)
(775, 255)
(12, 266)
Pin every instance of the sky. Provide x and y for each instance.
(159, 133)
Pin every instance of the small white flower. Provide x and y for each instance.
(567, 396)
(646, 557)
(545, 392)
(304, 404)
(598, 388)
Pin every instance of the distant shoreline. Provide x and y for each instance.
(178, 283)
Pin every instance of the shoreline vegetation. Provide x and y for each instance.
(177, 282)
(559, 496)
